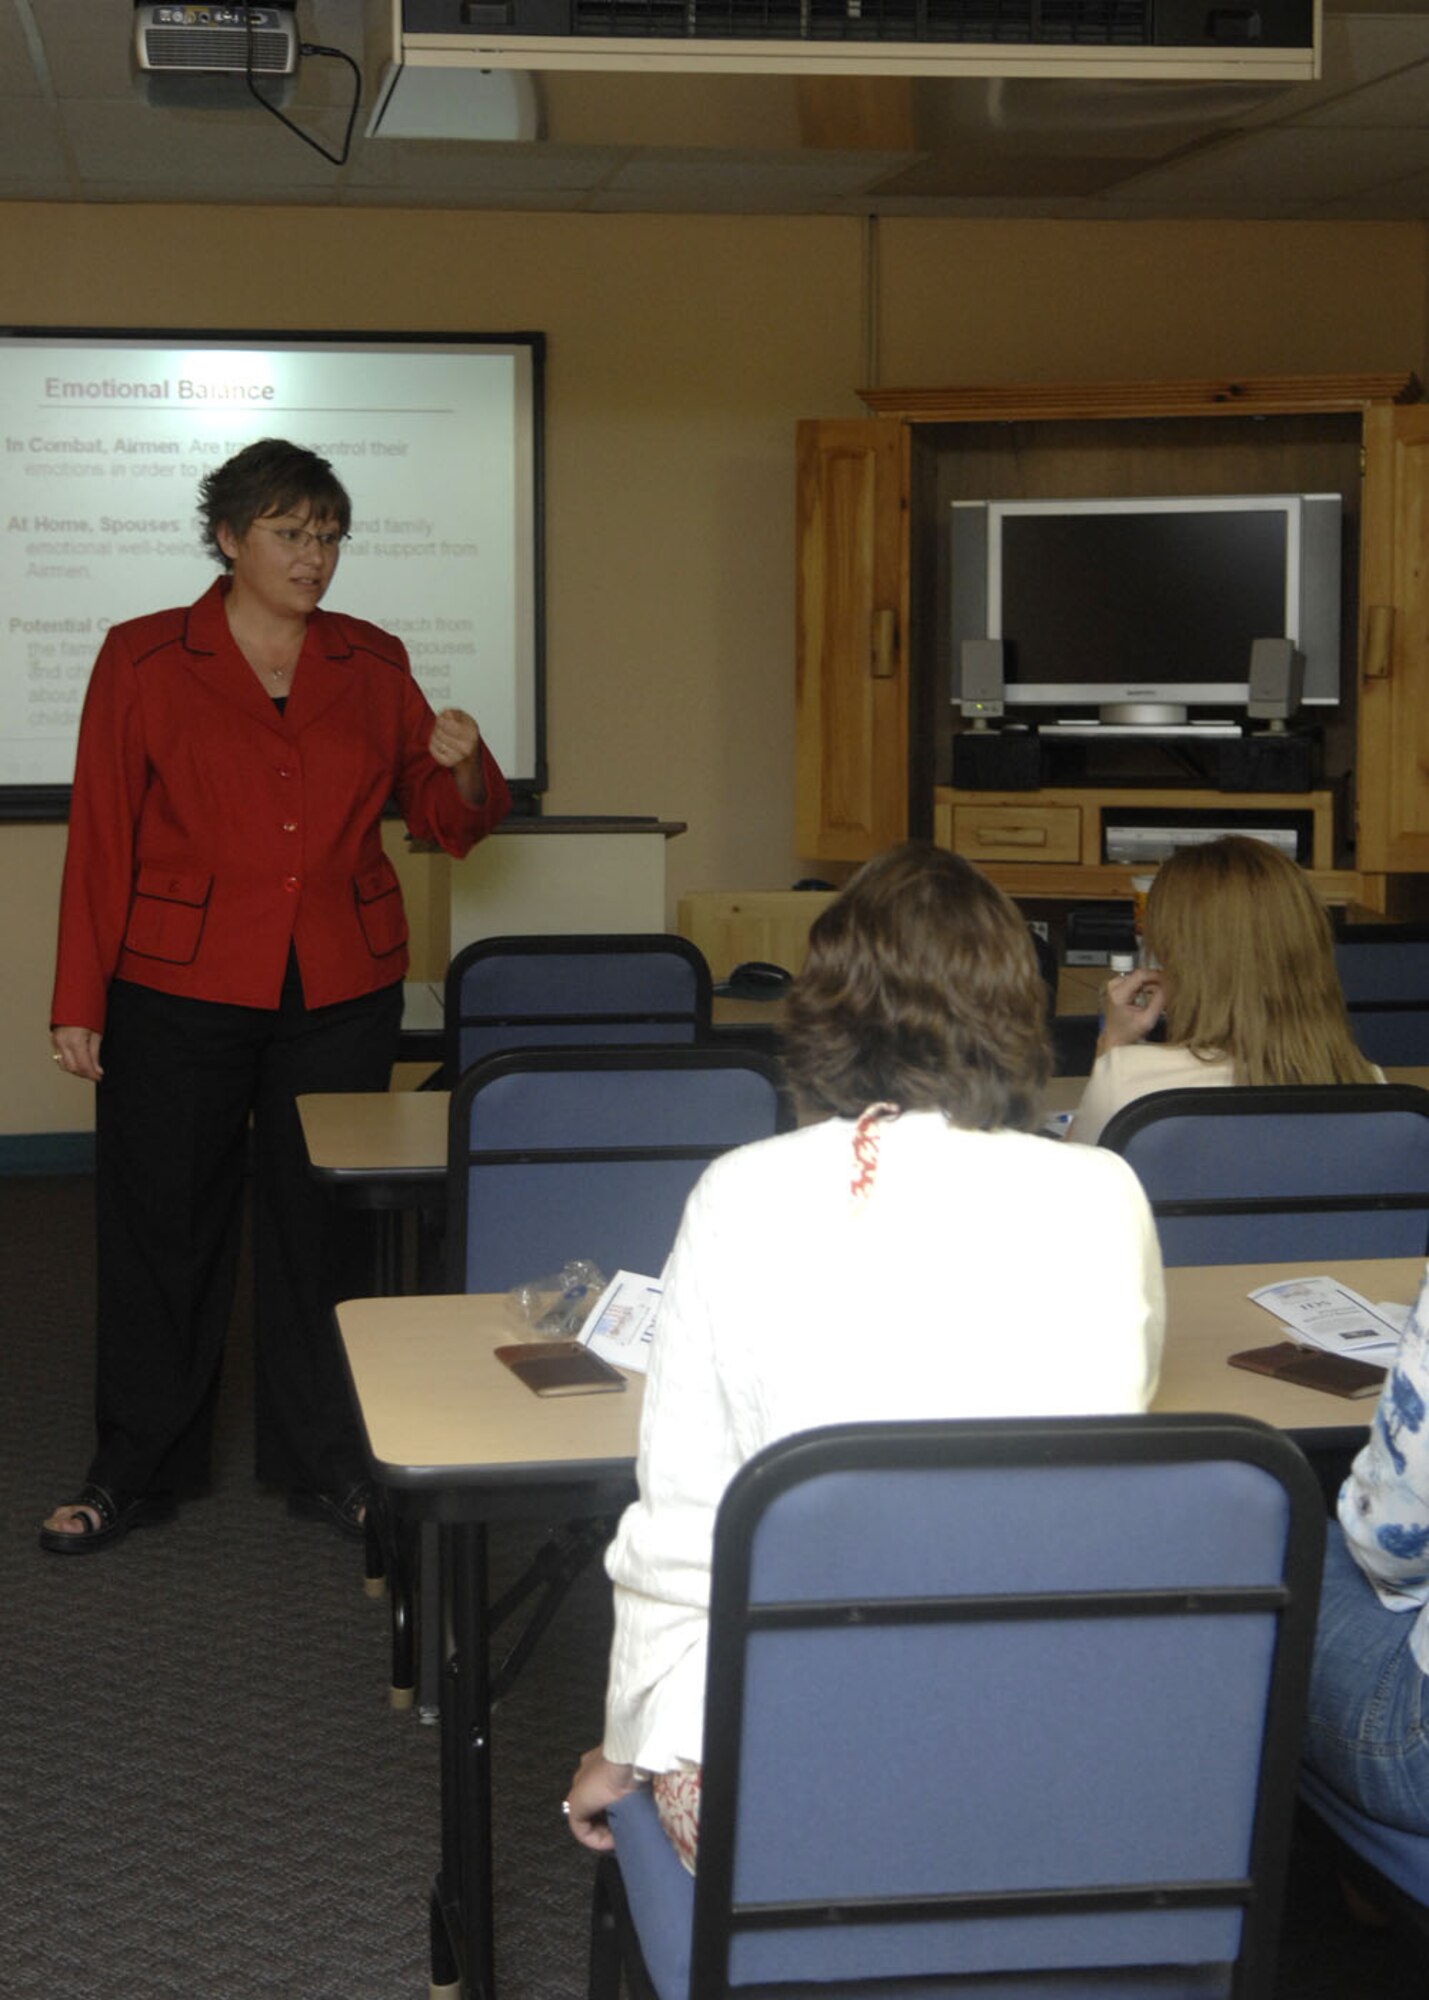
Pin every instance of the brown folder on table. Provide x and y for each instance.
(560, 1368)
(1311, 1368)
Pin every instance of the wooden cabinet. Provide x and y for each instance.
(1393, 729)
(852, 690)
(874, 723)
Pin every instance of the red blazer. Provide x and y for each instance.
(208, 832)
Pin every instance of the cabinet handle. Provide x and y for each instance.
(1012, 836)
(1378, 642)
(883, 664)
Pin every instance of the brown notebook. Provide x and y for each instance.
(1310, 1368)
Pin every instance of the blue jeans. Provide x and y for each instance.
(1367, 1724)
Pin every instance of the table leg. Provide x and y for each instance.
(402, 1584)
(446, 1973)
(463, 1898)
(431, 1651)
(387, 1252)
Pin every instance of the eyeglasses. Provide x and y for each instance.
(329, 540)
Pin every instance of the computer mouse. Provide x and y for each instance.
(756, 979)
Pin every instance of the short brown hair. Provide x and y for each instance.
(920, 989)
(269, 477)
(1248, 957)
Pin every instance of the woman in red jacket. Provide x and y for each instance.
(232, 935)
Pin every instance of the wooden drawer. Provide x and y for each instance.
(1018, 833)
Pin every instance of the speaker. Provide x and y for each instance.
(977, 685)
(1277, 679)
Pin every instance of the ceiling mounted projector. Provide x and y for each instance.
(1246, 41)
(196, 57)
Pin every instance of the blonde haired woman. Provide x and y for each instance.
(1246, 984)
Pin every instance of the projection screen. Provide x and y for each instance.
(107, 434)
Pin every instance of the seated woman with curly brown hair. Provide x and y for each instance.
(916, 1202)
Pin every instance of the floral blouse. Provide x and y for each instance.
(1384, 1504)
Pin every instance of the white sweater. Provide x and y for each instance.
(985, 1274)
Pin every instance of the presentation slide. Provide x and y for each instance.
(103, 442)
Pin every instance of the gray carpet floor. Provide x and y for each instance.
(202, 1787)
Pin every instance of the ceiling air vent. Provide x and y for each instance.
(1247, 41)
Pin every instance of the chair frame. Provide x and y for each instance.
(632, 944)
(1261, 1100)
(1092, 1441)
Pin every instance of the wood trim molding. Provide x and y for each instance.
(1267, 395)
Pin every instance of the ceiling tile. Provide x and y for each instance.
(1401, 101)
(514, 200)
(1294, 165)
(86, 46)
(1357, 50)
(183, 151)
(88, 49)
(32, 148)
(803, 176)
(16, 60)
(961, 208)
(1397, 201)
(422, 169)
(998, 177)
(615, 108)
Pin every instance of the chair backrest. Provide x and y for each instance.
(578, 991)
(1281, 1172)
(1384, 972)
(590, 1153)
(1006, 1700)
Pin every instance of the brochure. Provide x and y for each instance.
(1323, 1313)
(622, 1321)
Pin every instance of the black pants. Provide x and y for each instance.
(181, 1078)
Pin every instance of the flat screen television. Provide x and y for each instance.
(1144, 609)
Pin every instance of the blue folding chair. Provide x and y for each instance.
(1005, 1708)
(549, 992)
(558, 1154)
(1384, 973)
(590, 1153)
(1281, 1173)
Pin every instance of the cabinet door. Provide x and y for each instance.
(1392, 771)
(851, 691)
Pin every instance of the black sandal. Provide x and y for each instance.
(347, 1512)
(118, 1513)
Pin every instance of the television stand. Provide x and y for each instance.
(1054, 842)
(1088, 728)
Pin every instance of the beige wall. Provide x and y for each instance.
(681, 353)
(1048, 301)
